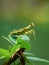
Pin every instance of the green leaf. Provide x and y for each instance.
(24, 44)
(14, 48)
(28, 61)
(7, 39)
(2, 57)
(24, 37)
(30, 54)
(13, 40)
(9, 48)
(18, 63)
(38, 59)
(4, 52)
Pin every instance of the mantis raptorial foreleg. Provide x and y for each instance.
(23, 30)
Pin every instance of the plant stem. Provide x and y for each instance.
(15, 56)
(14, 63)
(22, 59)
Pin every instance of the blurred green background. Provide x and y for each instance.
(15, 14)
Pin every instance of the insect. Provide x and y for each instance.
(21, 33)
(19, 39)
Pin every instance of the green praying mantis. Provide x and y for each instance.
(21, 33)
(20, 42)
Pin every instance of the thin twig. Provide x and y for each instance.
(15, 57)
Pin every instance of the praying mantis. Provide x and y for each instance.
(19, 42)
(21, 32)
(19, 38)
